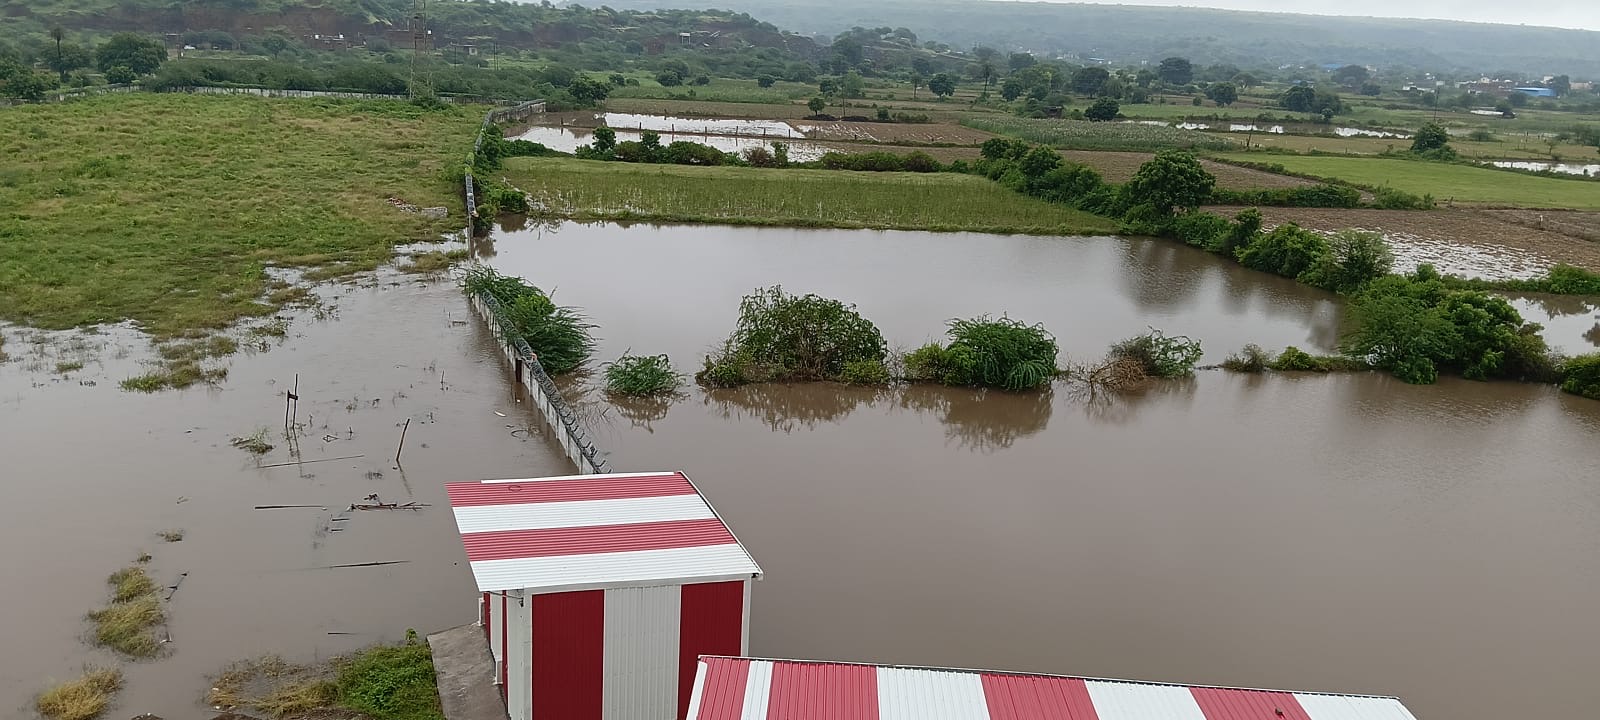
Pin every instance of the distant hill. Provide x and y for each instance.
(1126, 33)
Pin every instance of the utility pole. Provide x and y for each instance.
(418, 32)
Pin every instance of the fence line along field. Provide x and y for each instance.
(591, 190)
(193, 197)
(1447, 182)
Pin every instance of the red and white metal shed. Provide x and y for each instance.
(734, 688)
(600, 592)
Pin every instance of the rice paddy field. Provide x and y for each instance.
(1449, 183)
(168, 209)
(592, 190)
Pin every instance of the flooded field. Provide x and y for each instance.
(1319, 532)
(567, 139)
(95, 473)
(1590, 169)
(1332, 532)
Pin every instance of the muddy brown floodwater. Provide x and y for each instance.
(1340, 533)
(92, 473)
(1345, 533)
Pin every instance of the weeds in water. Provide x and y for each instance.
(171, 536)
(1160, 355)
(559, 336)
(394, 682)
(63, 368)
(999, 353)
(255, 443)
(126, 625)
(277, 328)
(82, 699)
(434, 262)
(865, 372)
(177, 375)
(1251, 359)
(642, 376)
(385, 682)
(781, 336)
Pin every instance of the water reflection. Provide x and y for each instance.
(981, 420)
(785, 408)
(1122, 407)
(644, 412)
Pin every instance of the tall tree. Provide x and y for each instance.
(1351, 76)
(133, 51)
(56, 33)
(1021, 60)
(942, 85)
(1089, 80)
(1175, 71)
(1222, 93)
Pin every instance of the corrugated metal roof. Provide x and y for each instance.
(749, 689)
(594, 531)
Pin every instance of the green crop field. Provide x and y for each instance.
(1445, 181)
(593, 190)
(167, 209)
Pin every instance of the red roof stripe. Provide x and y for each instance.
(823, 692)
(512, 544)
(722, 694)
(1218, 704)
(470, 494)
(1027, 697)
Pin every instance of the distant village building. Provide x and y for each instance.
(328, 42)
(1540, 92)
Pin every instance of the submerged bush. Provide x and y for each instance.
(864, 372)
(1415, 328)
(1354, 258)
(1581, 376)
(1160, 355)
(1201, 229)
(999, 353)
(1250, 359)
(780, 336)
(1288, 250)
(559, 336)
(642, 376)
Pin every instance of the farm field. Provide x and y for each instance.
(1449, 183)
(194, 197)
(594, 190)
(1502, 237)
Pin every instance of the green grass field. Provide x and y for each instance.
(1445, 181)
(166, 209)
(593, 190)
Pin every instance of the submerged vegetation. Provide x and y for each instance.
(559, 336)
(642, 376)
(383, 682)
(84, 698)
(780, 336)
(1160, 355)
(984, 352)
(127, 624)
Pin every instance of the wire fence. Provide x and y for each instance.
(570, 433)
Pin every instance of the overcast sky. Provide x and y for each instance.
(1584, 14)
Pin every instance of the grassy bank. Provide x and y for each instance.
(1445, 181)
(383, 682)
(165, 209)
(590, 190)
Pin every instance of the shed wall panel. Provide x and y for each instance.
(568, 662)
(823, 691)
(712, 622)
(1340, 707)
(1221, 704)
(1030, 697)
(1139, 701)
(641, 653)
(518, 642)
(905, 694)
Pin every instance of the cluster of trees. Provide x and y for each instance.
(648, 149)
(1308, 99)
(121, 59)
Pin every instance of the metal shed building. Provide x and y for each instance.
(600, 592)
(730, 688)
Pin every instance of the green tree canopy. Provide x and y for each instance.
(1175, 71)
(1173, 180)
(1222, 93)
(131, 50)
(942, 85)
(1103, 110)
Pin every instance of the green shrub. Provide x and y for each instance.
(1007, 354)
(921, 162)
(1288, 250)
(1311, 196)
(1295, 359)
(1566, 279)
(1201, 229)
(864, 372)
(780, 336)
(1415, 328)
(936, 363)
(559, 336)
(1388, 198)
(642, 376)
(1354, 258)
(1250, 359)
(1246, 226)
(1581, 376)
(1160, 355)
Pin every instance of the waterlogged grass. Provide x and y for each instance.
(1445, 181)
(592, 190)
(1086, 135)
(85, 698)
(385, 682)
(127, 624)
(165, 209)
